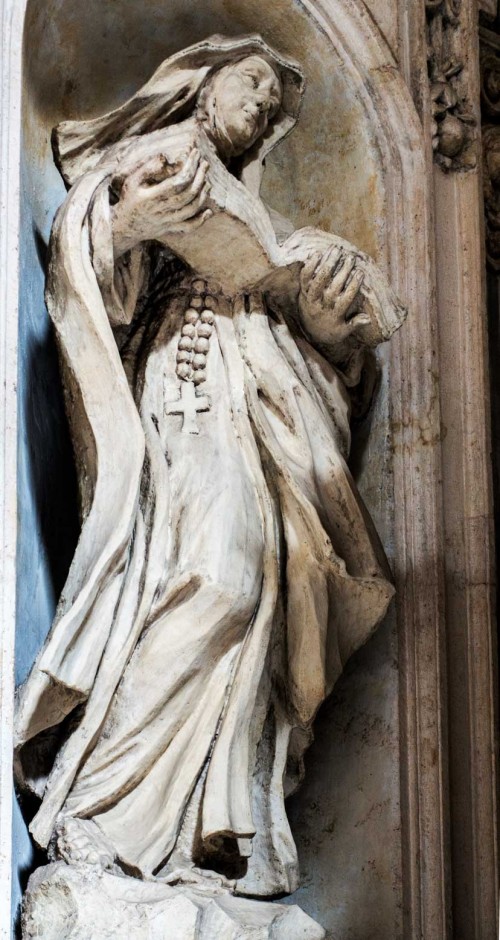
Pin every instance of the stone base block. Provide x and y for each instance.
(80, 902)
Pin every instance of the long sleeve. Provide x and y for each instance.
(121, 280)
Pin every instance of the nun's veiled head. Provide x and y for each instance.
(238, 102)
(246, 94)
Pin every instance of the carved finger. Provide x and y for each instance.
(185, 176)
(351, 326)
(195, 223)
(192, 224)
(161, 174)
(125, 183)
(199, 178)
(255, 302)
(172, 213)
(179, 200)
(339, 280)
(346, 299)
(307, 271)
(359, 320)
(325, 271)
(182, 179)
(239, 308)
(200, 183)
(194, 205)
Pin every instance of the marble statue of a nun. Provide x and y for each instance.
(226, 567)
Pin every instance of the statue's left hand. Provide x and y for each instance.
(329, 294)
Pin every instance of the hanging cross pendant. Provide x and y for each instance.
(188, 405)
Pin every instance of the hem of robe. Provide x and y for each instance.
(144, 825)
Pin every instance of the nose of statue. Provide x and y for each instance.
(252, 108)
(256, 106)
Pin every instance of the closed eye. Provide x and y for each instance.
(252, 78)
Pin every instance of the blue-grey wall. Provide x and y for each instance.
(47, 523)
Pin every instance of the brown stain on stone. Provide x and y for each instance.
(420, 430)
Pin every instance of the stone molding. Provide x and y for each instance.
(468, 528)
(468, 551)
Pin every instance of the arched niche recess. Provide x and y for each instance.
(355, 165)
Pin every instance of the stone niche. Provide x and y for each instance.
(81, 59)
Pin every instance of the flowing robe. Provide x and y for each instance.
(220, 582)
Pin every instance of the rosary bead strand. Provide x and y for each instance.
(194, 342)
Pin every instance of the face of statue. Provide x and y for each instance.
(239, 102)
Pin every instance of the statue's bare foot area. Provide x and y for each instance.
(81, 840)
(198, 877)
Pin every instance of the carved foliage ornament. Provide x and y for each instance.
(453, 123)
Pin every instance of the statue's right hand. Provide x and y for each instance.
(158, 197)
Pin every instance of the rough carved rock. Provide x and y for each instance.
(80, 902)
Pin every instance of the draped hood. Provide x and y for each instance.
(169, 96)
